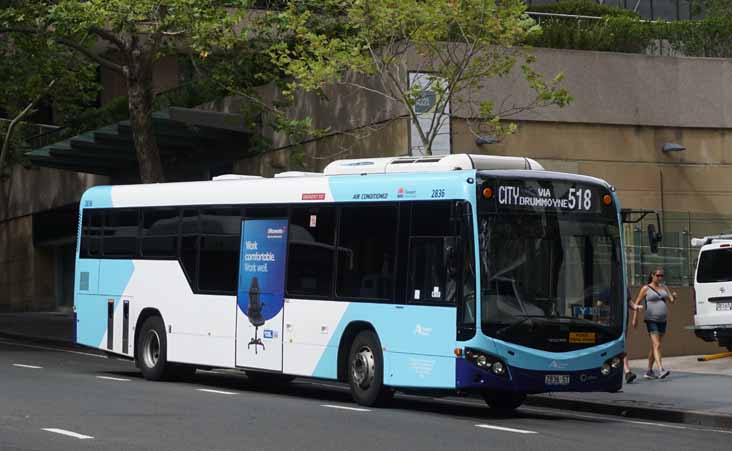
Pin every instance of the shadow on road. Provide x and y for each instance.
(335, 392)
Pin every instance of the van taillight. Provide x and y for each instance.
(693, 298)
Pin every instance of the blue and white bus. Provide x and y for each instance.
(458, 273)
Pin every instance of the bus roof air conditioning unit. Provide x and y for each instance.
(428, 164)
(224, 177)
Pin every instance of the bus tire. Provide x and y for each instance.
(503, 401)
(151, 352)
(366, 371)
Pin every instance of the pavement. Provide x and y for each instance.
(60, 399)
(695, 393)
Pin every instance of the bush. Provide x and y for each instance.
(612, 34)
(583, 8)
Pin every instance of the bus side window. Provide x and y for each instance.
(310, 257)
(120, 233)
(91, 233)
(432, 270)
(367, 251)
(189, 230)
(160, 232)
(432, 276)
(219, 249)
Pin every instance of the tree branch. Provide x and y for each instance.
(68, 43)
(108, 36)
(16, 121)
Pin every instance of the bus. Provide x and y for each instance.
(456, 274)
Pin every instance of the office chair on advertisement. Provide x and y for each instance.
(254, 312)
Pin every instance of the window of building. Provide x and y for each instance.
(160, 232)
(120, 233)
(311, 251)
(367, 251)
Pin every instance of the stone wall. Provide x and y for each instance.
(26, 273)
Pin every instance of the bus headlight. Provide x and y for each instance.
(486, 362)
(605, 370)
(615, 362)
(499, 369)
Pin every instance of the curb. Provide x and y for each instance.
(41, 340)
(644, 413)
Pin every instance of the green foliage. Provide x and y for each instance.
(710, 37)
(614, 34)
(702, 38)
(583, 8)
(462, 44)
(712, 8)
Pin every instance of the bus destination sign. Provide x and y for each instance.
(548, 195)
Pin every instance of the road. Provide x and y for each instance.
(59, 399)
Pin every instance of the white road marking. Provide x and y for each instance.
(52, 349)
(20, 365)
(356, 409)
(621, 420)
(501, 428)
(216, 391)
(113, 378)
(69, 433)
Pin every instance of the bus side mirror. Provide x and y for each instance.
(654, 238)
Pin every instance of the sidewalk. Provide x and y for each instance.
(694, 393)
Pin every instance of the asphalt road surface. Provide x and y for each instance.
(59, 399)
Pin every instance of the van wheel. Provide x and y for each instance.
(503, 401)
(151, 351)
(366, 371)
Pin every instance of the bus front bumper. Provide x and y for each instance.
(472, 378)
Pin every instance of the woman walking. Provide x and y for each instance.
(655, 296)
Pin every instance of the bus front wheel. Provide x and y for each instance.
(504, 401)
(151, 350)
(366, 371)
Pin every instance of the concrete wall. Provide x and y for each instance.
(165, 77)
(26, 273)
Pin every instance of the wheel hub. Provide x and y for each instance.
(362, 367)
(151, 349)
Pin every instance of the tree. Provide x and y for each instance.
(128, 37)
(459, 45)
(35, 70)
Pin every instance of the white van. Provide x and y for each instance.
(713, 288)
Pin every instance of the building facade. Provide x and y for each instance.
(626, 108)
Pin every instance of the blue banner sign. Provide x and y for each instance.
(262, 269)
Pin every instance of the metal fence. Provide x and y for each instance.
(648, 9)
(675, 254)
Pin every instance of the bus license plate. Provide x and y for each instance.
(724, 306)
(556, 379)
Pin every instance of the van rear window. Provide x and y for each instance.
(715, 266)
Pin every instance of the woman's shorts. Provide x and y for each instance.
(655, 327)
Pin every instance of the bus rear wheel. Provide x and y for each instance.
(366, 371)
(151, 350)
(504, 401)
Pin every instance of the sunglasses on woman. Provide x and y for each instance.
(659, 275)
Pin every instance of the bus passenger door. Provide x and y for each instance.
(259, 312)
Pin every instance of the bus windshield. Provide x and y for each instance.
(550, 279)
